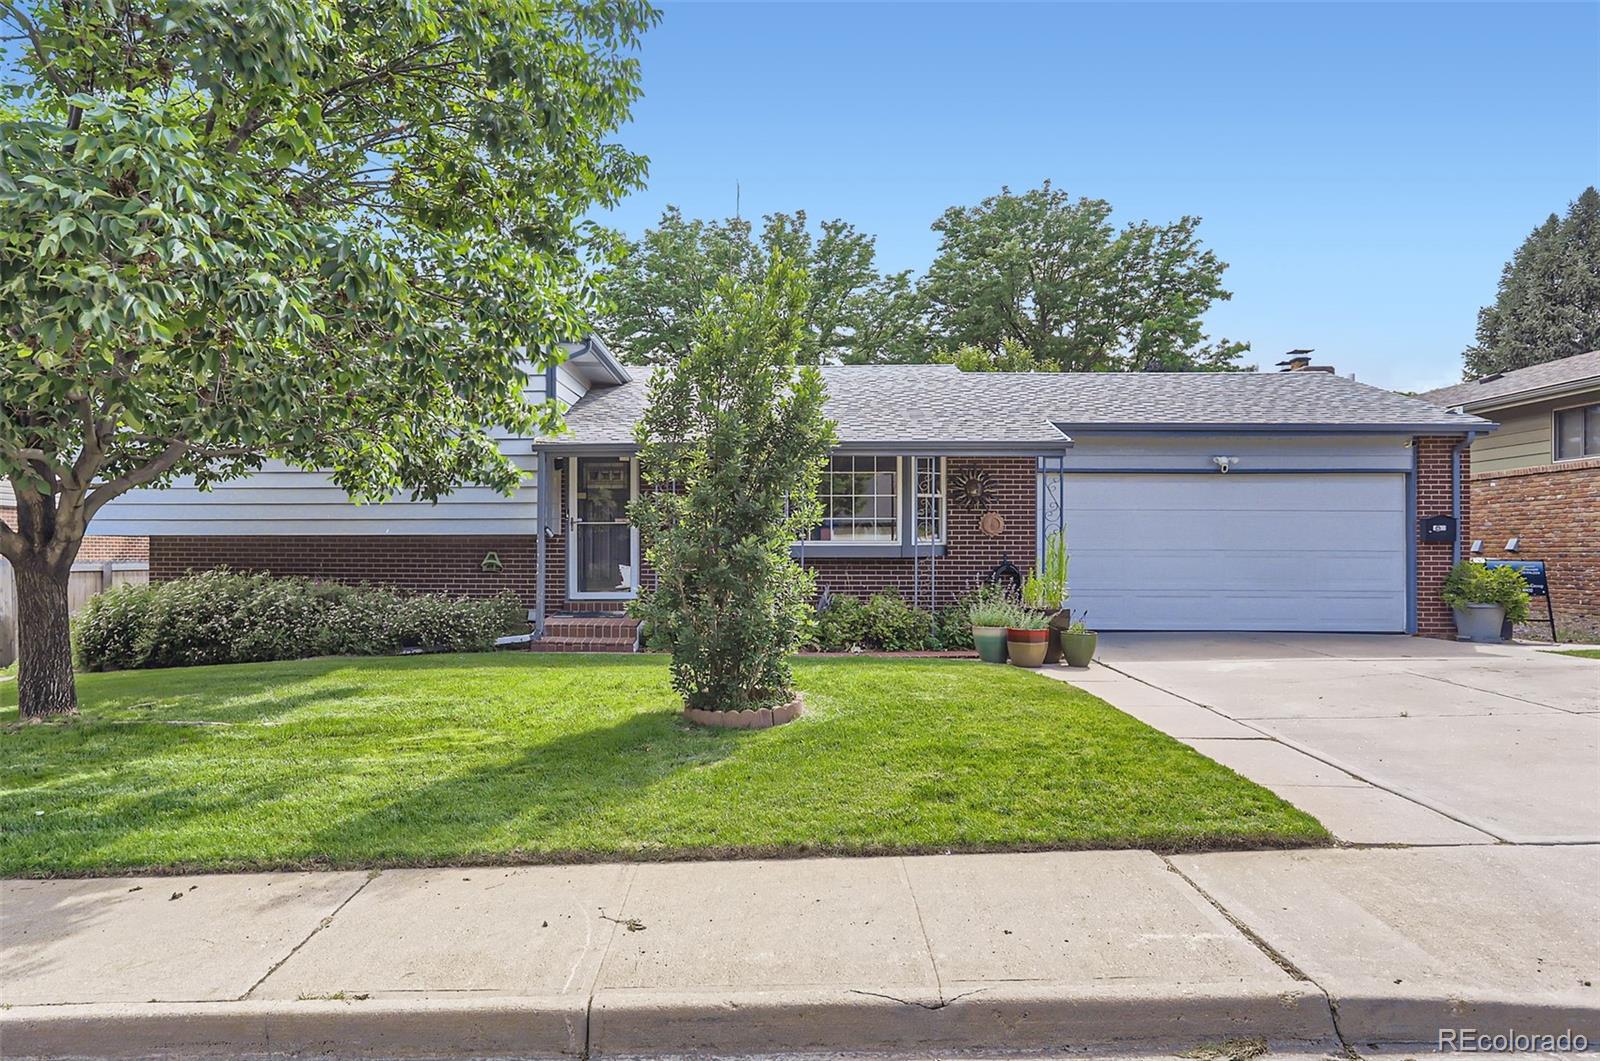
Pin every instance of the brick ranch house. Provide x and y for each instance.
(939, 478)
(1536, 481)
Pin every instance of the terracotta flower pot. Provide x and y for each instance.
(1078, 649)
(1027, 647)
(990, 642)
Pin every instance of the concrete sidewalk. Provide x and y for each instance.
(1129, 950)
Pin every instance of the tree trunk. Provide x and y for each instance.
(45, 687)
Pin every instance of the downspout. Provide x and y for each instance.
(542, 521)
(1455, 493)
(542, 514)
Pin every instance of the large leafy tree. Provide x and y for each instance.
(1055, 275)
(327, 231)
(731, 447)
(1548, 305)
(657, 284)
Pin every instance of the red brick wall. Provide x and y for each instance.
(433, 564)
(1555, 510)
(969, 554)
(1434, 618)
(97, 548)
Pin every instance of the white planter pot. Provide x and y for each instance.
(1480, 623)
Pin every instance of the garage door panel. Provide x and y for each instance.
(1201, 552)
(1255, 532)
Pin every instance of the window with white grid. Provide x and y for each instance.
(930, 500)
(860, 500)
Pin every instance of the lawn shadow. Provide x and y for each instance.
(508, 810)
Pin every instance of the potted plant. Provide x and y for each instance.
(1028, 638)
(990, 614)
(1484, 599)
(1078, 642)
(1046, 590)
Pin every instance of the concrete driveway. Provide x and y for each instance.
(1386, 739)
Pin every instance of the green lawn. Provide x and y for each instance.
(522, 757)
(1581, 653)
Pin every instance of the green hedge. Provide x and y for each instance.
(888, 624)
(222, 617)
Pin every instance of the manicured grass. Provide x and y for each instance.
(520, 757)
(1581, 653)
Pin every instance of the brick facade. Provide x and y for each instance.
(433, 564)
(1434, 618)
(452, 564)
(969, 553)
(98, 548)
(1555, 510)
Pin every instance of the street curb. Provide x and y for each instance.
(1399, 1016)
(974, 1017)
(619, 1022)
(504, 1027)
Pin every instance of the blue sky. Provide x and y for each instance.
(1366, 169)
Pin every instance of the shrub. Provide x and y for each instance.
(840, 626)
(1471, 583)
(892, 625)
(222, 617)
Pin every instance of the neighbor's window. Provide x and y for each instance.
(930, 500)
(860, 500)
(1578, 433)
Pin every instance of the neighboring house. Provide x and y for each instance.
(96, 548)
(1537, 480)
(940, 477)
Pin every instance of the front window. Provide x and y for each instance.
(1578, 433)
(860, 500)
(930, 500)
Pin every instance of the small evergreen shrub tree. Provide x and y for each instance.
(731, 448)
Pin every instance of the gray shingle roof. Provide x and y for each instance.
(940, 405)
(1578, 368)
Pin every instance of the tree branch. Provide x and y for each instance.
(46, 63)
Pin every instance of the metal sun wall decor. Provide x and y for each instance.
(974, 491)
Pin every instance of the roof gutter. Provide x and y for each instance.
(1506, 401)
(1455, 492)
(1479, 426)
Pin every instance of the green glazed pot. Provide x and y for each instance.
(1078, 649)
(990, 642)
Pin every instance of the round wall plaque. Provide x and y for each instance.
(991, 524)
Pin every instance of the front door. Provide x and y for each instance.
(602, 549)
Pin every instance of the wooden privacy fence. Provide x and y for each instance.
(87, 580)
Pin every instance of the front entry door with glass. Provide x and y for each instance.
(601, 560)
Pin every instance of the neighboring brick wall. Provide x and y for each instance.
(97, 548)
(1434, 618)
(969, 554)
(434, 564)
(1555, 510)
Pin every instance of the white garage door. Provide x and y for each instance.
(1238, 552)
